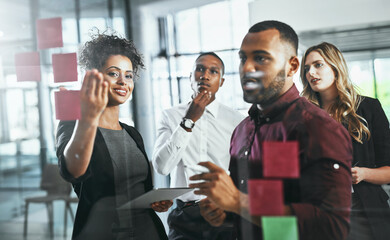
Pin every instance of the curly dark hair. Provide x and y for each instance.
(95, 53)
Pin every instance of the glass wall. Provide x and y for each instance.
(27, 120)
(27, 114)
(28, 123)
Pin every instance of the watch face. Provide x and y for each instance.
(188, 123)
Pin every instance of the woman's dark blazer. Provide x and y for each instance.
(97, 184)
(374, 153)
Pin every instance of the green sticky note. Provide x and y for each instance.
(280, 228)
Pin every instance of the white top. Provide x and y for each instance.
(208, 141)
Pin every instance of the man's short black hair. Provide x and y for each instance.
(215, 55)
(287, 33)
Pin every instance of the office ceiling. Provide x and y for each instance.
(16, 36)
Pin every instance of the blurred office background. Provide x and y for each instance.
(169, 34)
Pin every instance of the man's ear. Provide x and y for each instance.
(221, 81)
(293, 66)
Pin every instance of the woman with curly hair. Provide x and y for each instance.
(105, 159)
(326, 83)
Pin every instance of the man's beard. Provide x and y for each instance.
(267, 95)
(272, 92)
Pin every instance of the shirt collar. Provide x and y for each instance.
(213, 108)
(275, 108)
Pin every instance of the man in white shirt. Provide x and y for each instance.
(190, 133)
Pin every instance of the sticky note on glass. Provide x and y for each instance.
(280, 228)
(67, 104)
(28, 67)
(65, 67)
(280, 159)
(49, 33)
(266, 197)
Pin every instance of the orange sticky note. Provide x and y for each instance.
(67, 104)
(266, 197)
(65, 67)
(49, 33)
(281, 159)
(28, 67)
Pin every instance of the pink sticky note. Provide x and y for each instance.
(280, 159)
(28, 67)
(65, 67)
(49, 33)
(265, 197)
(67, 105)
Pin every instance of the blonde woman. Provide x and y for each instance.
(324, 75)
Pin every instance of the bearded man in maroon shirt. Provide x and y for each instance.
(321, 198)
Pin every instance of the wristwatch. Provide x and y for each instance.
(187, 123)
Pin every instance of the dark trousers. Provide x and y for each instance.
(360, 226)
(185, 222)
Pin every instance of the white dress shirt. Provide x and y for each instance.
(208, 141)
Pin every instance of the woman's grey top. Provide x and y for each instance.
(130, 172)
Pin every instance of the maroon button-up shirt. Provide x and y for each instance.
(321, 197)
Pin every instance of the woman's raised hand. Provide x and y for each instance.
(93, 96)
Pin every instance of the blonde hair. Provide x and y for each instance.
(344, 108)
